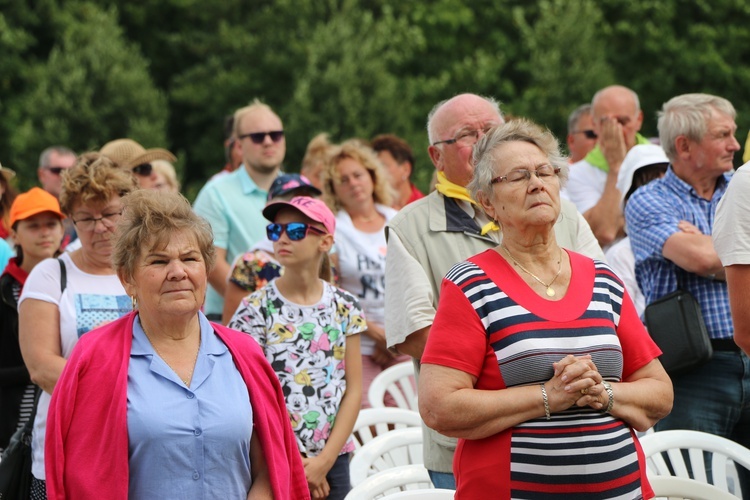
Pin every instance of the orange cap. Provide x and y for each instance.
(32, 202)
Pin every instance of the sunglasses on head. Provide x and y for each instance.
(590, 134)
(144, 169)
(55, 170)
(294, 230)
(259, 137)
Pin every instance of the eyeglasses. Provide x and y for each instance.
(543, 172)
(89, 223)
(590, 134)
(259, 137)
(294, 230)
(465, 138)
(144, 169)
(55, 170)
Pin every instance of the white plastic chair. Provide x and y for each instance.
(373, 422)
(392, 449)
(391, 481)
(434, 494)
(665, 457)
(674, 487)
(399, 382)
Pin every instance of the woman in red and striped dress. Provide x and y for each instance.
(537, 359)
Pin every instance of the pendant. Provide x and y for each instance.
(550, 292)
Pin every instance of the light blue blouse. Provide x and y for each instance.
(187, 442)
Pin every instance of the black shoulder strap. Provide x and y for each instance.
(63, 275)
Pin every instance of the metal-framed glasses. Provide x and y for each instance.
(294, 230)
(543, 172)
(589, 134)
(464, 138)
(89, 223)
(259, 137)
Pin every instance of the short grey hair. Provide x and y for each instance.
(688, 115)
(60, 150)
(513, 131)
(601, 91)
(431, 134)
(575, 116)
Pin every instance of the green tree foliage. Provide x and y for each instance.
(167, 72)
(93, 87)
(352, 62)
(662, 49)
(567, 63)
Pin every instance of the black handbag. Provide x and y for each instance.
(15, 465)
(675, 322)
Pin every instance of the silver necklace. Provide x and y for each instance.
(550, 291)
(190, 375)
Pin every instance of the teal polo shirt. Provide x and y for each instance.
(233, 205)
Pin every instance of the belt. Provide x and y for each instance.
(724, 345)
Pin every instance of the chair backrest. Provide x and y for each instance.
(681, 453)
(674, 487)
(392, 449)
(391, 481)
(422, 494)
(373, 422)
(399, 382)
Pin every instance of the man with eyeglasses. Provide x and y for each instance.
(427, 237)
(233, 203)
(581, 136)
(592, 186)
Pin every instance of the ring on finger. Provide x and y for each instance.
(585, 391)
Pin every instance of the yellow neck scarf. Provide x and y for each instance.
(451, 190)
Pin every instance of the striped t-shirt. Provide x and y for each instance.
(492, 325)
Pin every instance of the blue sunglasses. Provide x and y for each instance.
(294, 230)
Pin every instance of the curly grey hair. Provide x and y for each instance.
(512, 131)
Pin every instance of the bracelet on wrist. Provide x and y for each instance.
(610, 394)
(546, 402)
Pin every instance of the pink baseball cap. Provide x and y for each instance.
(311, 207)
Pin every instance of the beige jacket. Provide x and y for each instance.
(425, 239)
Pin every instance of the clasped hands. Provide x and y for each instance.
(612, 143)
(578, 382)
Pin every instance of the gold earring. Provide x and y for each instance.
(134, 300)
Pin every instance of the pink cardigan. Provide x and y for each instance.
(86, 445)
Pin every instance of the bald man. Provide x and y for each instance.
(427, 237)
(232, 203)
(592, 186)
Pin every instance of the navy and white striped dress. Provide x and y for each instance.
(492, 325)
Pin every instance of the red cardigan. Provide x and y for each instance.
(86, 445)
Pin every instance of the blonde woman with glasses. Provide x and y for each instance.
(65, 298)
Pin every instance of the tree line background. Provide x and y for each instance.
(167, 72)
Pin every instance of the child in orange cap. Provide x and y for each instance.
(36, 229)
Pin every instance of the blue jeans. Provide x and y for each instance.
(338, 478)
(715, 398)
(443, 480)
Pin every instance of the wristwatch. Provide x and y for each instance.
(611, 394)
